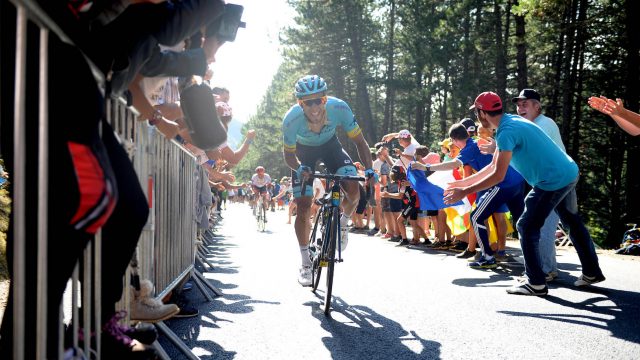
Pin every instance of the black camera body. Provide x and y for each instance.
(225, 28)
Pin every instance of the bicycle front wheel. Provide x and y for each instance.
(260, 217)
(331, 257)
(316, 269)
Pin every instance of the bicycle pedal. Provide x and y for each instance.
(324, 263)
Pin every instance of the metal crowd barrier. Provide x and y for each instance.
(167, 172)
(166, 250)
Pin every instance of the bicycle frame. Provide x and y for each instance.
(328, 217)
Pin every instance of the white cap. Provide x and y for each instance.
(403, 134)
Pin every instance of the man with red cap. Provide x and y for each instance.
(553, 176)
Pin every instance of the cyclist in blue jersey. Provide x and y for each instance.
(553, 175)
(309, 136)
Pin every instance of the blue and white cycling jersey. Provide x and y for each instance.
(296, 130)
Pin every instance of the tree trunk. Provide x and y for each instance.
(552, 109)
(419, 110)
(427, 105)
(501, 63)
(632, 99)
(443, 109)
(521, 53)
(390, 85)
(578, 60)
(477, 86)
(363, 106)
(568, 85)
(464, 96)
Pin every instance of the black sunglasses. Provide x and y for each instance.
(316, 101)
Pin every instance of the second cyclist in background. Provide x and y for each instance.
(259, 182)
(309, 136)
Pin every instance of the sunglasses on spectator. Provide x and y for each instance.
(316, 101)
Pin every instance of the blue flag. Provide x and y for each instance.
(431, 195)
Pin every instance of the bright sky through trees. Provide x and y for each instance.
(247, 65)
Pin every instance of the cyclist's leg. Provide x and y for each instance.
(302, 227)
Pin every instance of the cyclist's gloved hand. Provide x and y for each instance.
(302, 169)
(369, 173)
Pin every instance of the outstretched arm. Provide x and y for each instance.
(628, 120)
(494, 174)
(364, 153)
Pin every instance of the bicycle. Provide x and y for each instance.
(322, 250)
(630, 244)
(261, 215)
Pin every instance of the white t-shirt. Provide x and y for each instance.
(260, 182)
(409, 150)
(319, 187)
(377, 164)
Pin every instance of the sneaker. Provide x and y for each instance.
(186, 309)
(476, 257)
(373, 231)
(344, 238)
(466, 254)
(501, 256)
(117, 345)
(459, 246)
(187, 286)
(146, 308)
(415, 242)
(483, 263)
(144, 333)
(395, 238)
(551, 276)
(585, 280)
(427, 242)
(439, 245)
(387, 236)
(524, 288)
(304, 277)
(403, 242)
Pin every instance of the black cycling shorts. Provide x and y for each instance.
(410, 212)
(333, 156)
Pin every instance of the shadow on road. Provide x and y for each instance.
(358, 332)
(609, 309)
(188, 329)
(509, 270)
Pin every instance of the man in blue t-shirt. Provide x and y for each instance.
(507, 195)
(553, 176)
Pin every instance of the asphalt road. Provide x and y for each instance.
(400, 303)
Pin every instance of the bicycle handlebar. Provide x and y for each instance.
(329, 177)
(337, 177)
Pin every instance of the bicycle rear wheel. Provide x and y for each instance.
(333, 230)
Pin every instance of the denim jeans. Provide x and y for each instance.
(548, 243)
(538, 205)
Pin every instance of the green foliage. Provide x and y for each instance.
(444, 53)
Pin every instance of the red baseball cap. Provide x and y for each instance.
(487, 101)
